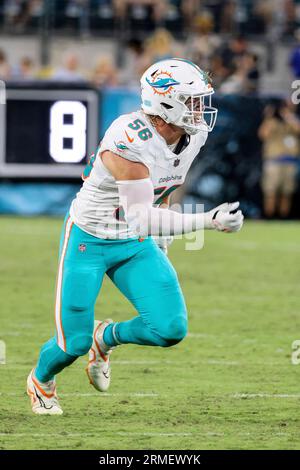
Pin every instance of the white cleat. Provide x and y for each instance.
(44, 400)
(98, 369)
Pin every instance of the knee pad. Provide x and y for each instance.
(79, 345)
(174, 332)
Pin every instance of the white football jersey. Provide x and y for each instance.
(96, 207)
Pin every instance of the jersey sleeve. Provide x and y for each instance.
(120, 140)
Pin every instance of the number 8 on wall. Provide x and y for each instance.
(68, 123)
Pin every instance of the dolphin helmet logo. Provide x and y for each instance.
(162, 82)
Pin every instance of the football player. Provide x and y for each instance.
(109, 230)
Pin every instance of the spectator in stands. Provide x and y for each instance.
(12, 9)
(137, 61)
(190, 10)
(242, 75)
(234, 82)
(5, 71)
(273, 15)
(74, 8)
(234, 49)
(218, 71)
(104, 73)
(291, 10)
(202, 43)
(157, 7)
(228, 17)
(19, 13)
(70, 70)
(279, 132)
(295, 56)
(235, 68)
(25, 70)
(161, 45)
(250, 63)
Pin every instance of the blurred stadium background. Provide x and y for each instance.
(94, 51)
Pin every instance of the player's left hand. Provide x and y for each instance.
(163, 243)
(226, 217)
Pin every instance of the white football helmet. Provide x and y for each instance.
(180, 93)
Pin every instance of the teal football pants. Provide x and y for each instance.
(139, 269)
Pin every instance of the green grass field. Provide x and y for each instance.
(229, 385)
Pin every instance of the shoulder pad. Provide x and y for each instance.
(127, 137)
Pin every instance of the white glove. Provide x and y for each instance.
(223, 219)
(163, 242)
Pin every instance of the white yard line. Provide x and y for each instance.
(116, 433)
(29, 330)
(207, 362)
(37, 232)
(98, 394)
(162, 363)
(265, 395)
(21, 332)
(270, 246)
(135, 434)
(156, 395)
(134, 395)
(144, 363)
(200, 335)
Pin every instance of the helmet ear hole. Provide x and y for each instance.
(182, 98)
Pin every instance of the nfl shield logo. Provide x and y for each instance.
(82, 247)
(176, 162)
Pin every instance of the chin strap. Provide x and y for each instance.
(182, 144)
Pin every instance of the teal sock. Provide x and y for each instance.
(134, 331)
(110, 336)
(52, 360)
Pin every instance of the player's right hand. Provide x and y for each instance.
(226, 217)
